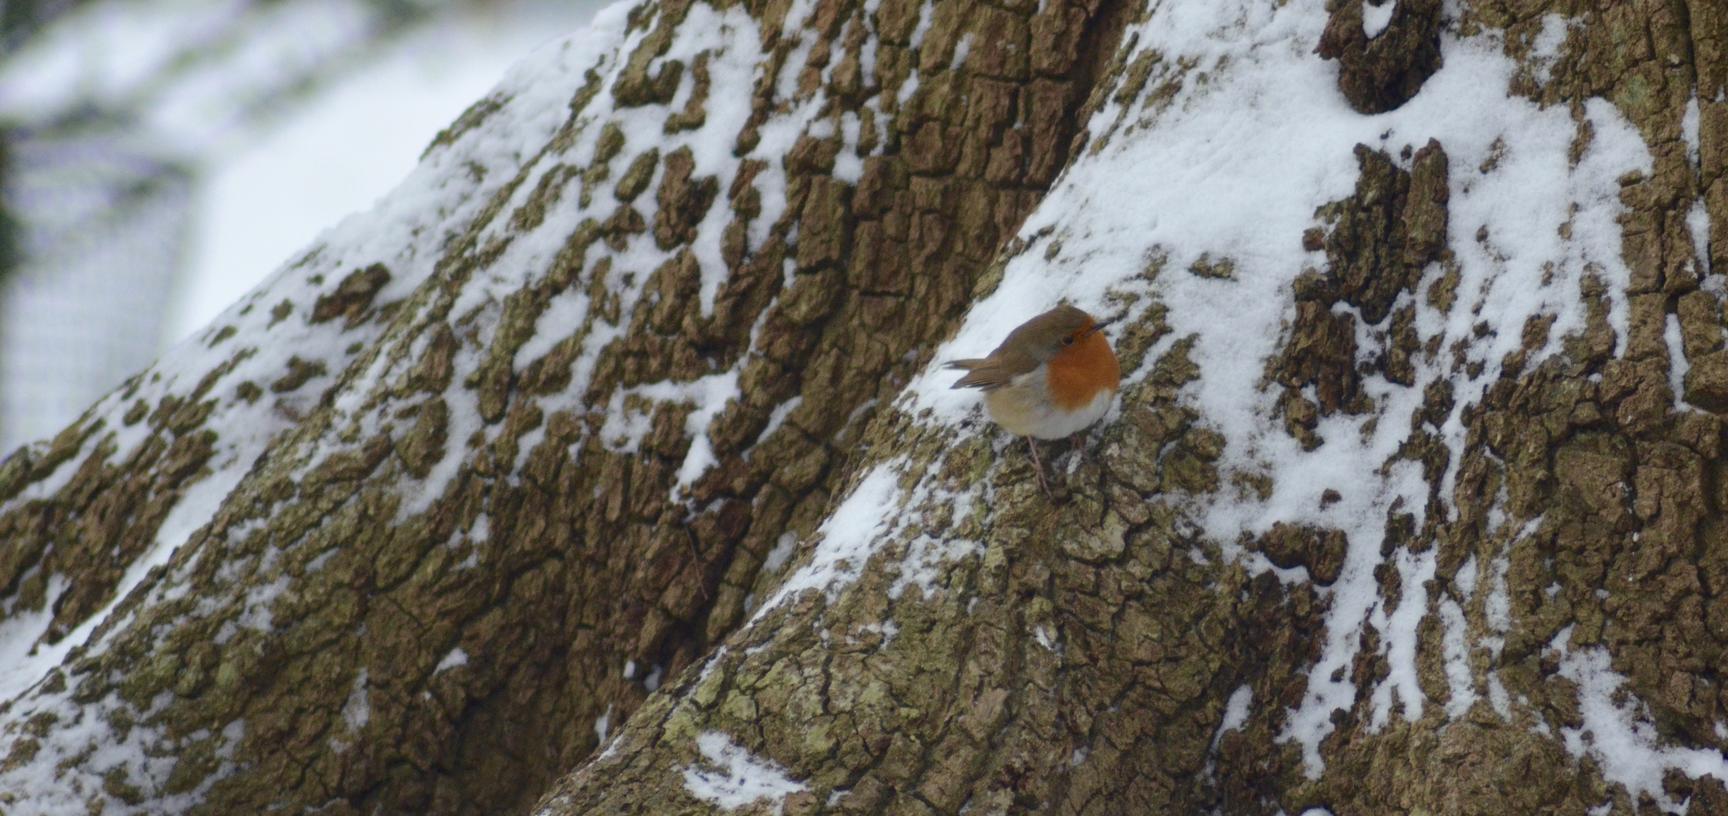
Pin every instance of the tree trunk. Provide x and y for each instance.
(606, 466)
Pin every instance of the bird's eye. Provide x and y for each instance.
(1068, 340)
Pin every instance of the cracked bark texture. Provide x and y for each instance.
(1072, 658)
(603, 564)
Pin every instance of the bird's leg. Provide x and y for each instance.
(1038, 467)
(1075, 455)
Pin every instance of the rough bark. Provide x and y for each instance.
(519, 492)
(572, 571)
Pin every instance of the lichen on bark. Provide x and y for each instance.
(629, 454)
(327, 592)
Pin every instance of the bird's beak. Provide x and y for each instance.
(1101, 324)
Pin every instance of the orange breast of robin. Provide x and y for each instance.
(1080, 371)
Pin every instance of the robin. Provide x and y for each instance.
(1055, 375)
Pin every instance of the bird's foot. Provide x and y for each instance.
(1038, 469)
(1038, 466)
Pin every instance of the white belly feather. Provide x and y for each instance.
(1023, 407)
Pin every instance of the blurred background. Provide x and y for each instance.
(160, 157)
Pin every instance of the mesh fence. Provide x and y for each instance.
(101, 225)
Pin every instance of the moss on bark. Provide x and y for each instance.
(1099, 655)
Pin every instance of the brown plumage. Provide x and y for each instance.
(1028, 346)
(1054, 376)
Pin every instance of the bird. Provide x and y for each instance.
(1054, 375)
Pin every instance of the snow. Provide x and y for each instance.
(357, 711)
(864, 525)
(207, 85)
(565, 310)
(1399, 638)
(926, 554)
(962, 50)
(141, 754)
(1677, 362)
(738, 779)
(730, 40)
(1498, 697)
(23, 659)
(848, 167)
(404, 233)
(926, 15)
(255, 614)
(777, 417)
(1618, 733)
(18, 637)
(1698, 223)
(782, 552)
(432, 200)
(1689, 129)
(603, 726)
(848, 537)
(347, 146)
(1236, 710)
(1497, 607)
(624, 429)
(1234, 166)
(1460, 685)
(712, 663)
(1545, 51)
(457, 657)
(1376, 18)
(1465, 580)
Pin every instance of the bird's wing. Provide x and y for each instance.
(991, 372)
(980, 374)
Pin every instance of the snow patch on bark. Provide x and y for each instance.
(1376, 18)
(1236, 709)
(1399, 628)
(624, 429)
(1233, 164)
(252, 343)
(737, 778)
(873, 515)
(1678, 365)
(1545, 51)
(1689, 130)
(848, 538)
(24, 658)
(357, 711)
(142, 757)
(1460, 684)
(603, 726)
(1698, 223)
(456, 658)
(1619, 733)
(926, 554)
